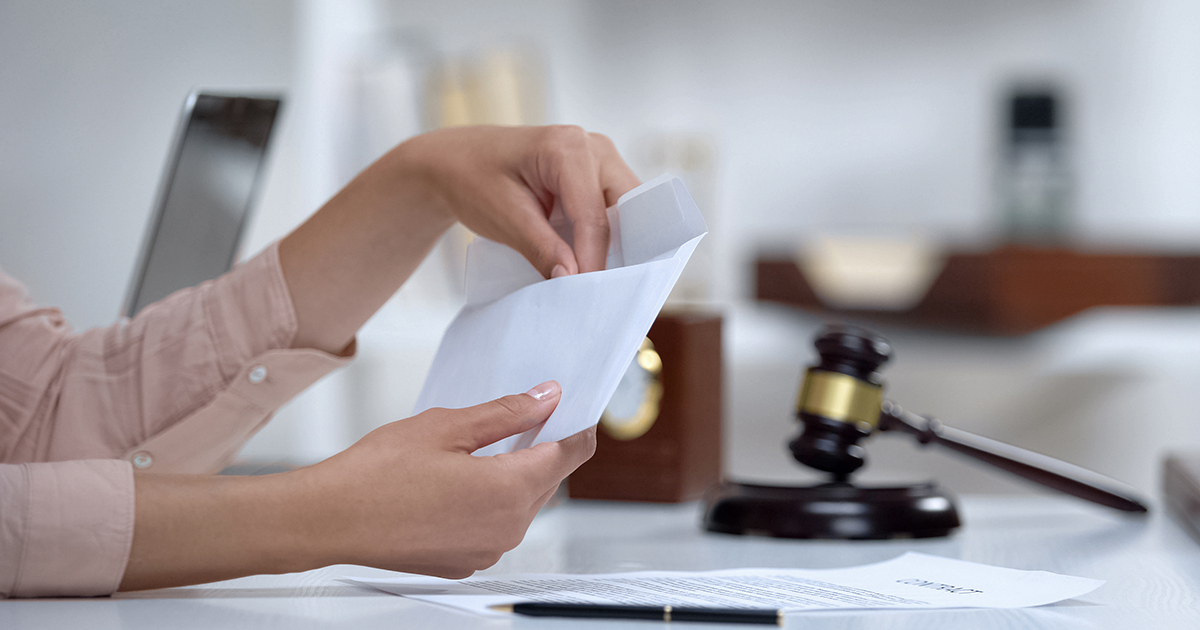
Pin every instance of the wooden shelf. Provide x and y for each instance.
(1011, 290)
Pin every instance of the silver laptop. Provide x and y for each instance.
(208, 189)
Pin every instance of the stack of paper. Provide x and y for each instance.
(911, 581)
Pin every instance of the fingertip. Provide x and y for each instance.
(569, 261)
(546, 250)
(545, 391)
(577, 448)
(559, 261)
(551, 462)
(588, 438)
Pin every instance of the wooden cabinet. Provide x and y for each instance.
(1012, 290)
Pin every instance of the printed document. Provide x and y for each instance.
(518, 329)
(913, 580)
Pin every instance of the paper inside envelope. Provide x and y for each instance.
(518, 330)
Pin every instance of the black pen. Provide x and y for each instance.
(657, 613)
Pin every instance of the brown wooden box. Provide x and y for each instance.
(680, 456)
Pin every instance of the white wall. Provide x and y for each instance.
(89, 97)
(868, 114)
(826, 115)
(884, 115)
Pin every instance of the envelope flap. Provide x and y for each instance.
(656, 218)
(648, 223)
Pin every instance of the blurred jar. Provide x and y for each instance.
(691, 156)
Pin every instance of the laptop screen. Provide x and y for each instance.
(206, 195)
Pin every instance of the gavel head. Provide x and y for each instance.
(840, 400)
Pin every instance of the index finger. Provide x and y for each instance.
(616, 178)
(590, 179)
(583, 202)
(590, 214)
(545, 465)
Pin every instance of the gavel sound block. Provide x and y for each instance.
(841, 404)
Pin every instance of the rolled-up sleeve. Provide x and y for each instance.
(65, 527)
(179, 388)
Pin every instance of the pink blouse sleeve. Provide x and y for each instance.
(179, 388)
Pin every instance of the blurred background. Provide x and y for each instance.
(893, 135)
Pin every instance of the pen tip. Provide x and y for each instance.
(502, 607)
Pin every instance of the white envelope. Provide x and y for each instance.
(518, 330)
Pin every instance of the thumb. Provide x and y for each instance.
(493, 421)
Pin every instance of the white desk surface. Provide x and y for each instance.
(1151, 565)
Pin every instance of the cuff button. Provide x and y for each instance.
(142, 460)
(258, 374)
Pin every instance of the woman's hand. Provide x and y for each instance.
(409, 497)
(502, 182)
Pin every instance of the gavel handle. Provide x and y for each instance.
(1035, 467)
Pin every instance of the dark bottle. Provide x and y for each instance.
(1034, 179)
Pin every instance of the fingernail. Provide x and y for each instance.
(558, 271)
(543, 391)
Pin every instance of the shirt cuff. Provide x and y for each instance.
(209, 439)
(66, 528)
(250, 311)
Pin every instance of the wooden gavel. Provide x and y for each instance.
(841, 403)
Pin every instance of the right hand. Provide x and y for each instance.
(503, 182)
(411, 497)
(350, 257)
